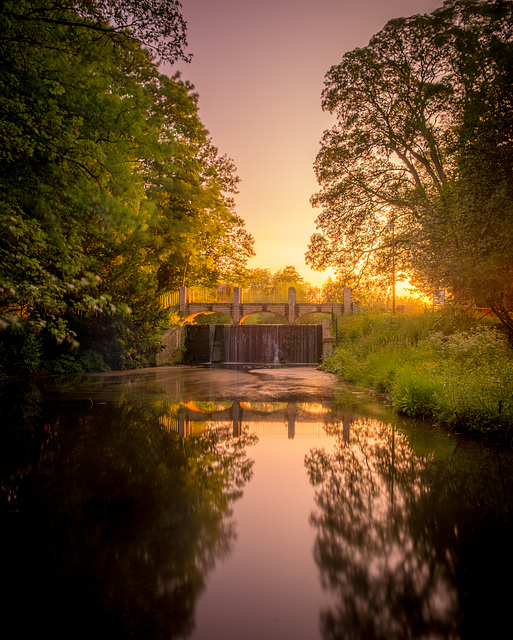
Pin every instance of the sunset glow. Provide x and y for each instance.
(259, 69)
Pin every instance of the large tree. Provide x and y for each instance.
(200, 240)
(110, 182)
(66, 126)
(157, 25)
(422, 141)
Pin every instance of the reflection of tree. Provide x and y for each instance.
(113, 526)
(386, 581)
(412, 547)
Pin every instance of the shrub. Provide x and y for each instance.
(20, 352)
(416, 392)
(448, 365)
(64, 364)
(344, 364)
(92, 361)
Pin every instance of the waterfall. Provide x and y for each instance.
(212, 335)
(254, 344)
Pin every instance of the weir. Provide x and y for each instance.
(273, 344)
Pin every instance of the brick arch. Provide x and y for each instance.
(191, 317)
(254, 313)
(307, 313)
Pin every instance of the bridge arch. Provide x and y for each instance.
(282, 318)
(190, 319)
(319, 317)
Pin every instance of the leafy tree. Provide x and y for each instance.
(199, 237)
(418, 111)
(156, 24)
(483, 191)
(258, 279)
(290, 277)
(333, 290)
(111, 189)
(266, 284)
(72, 111)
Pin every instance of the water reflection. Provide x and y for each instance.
(411, 546)
(122, 499)
(193, 417)
(110, 521)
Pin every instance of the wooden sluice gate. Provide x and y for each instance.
(273, 344)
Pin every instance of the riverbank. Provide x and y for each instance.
(452, 367)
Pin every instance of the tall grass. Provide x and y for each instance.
(449, 365)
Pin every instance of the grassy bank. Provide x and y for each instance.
(450, 366)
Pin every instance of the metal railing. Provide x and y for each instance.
(208, 295)
(224, 294)
(250, 296)
(198, 295)
(170, 299)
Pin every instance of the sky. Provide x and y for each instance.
(258, 67)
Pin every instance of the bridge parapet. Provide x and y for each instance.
(188, 304)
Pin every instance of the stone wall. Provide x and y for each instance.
(328, 341)
(171, 341)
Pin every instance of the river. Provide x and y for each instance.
(245, 504)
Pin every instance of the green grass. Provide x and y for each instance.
(449, 366)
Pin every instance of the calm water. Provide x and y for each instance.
(245, 505)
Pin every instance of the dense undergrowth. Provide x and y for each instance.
(451, 366)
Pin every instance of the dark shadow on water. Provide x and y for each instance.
(110, 521)
(418, 542)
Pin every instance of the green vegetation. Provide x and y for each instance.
(423, 141)
(265, 286)
(111, 191)
(453, 367)
(416, 181)
(265, 317)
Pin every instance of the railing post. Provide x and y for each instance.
(182, 301)
(236, 305)
(292, 305)
(347, 300)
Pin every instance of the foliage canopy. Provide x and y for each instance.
(111, 188)
(423, 140)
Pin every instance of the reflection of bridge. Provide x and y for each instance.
(266, 419)
(237, 309)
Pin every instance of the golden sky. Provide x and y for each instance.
(259, 68)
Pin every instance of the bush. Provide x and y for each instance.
(64, 364)
(344, 364)
(20, 352)
(416, 392)
(92, 361)
(448, 365)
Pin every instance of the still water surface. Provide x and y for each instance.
(219, 504)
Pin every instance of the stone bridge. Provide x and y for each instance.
(237, 309)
